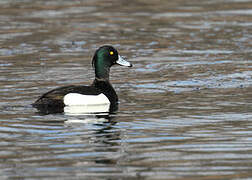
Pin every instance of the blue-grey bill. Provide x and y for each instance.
(123, 62)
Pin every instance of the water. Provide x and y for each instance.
(185, 106)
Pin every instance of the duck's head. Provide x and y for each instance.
(104, 58)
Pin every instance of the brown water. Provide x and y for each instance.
(185, 107)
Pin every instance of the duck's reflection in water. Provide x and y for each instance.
(97, 119)
(104, 138)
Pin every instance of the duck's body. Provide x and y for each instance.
(98, 93)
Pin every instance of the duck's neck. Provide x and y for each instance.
(102, 73)
(102, 83)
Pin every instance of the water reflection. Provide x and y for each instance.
(89, 118)
(95, 149)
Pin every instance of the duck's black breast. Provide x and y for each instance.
(106, 88)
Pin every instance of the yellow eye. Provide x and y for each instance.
(111, 53)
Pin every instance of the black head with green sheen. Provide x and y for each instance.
(104, 58)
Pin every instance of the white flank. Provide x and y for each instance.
(75, 99)
(77, 104)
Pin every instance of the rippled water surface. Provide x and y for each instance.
(185, 107)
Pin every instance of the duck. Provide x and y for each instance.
(99, 93)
